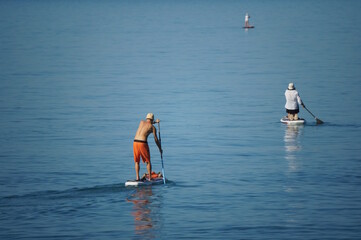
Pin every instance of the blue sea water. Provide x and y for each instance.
(76, 77)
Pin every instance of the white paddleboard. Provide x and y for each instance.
(135, 183)
(293, 122)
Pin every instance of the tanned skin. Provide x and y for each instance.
(145, 128)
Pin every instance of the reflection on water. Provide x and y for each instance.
(292, 146)
(142, 212)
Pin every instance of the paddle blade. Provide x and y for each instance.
(318, 121)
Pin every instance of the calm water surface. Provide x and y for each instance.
(76, 78)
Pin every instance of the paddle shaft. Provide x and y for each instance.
(161, 154)
(310, 112)
(317, 120)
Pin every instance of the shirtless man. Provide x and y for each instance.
(140, 145)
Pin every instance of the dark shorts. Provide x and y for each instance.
(294, 111)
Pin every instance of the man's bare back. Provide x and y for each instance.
(145, 128)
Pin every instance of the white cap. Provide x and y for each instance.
(150, 116)
(291, 86)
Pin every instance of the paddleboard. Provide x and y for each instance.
(248, 27)
(300, 121)
(146, 182)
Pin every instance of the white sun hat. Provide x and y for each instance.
(150, 116)
(291, 86)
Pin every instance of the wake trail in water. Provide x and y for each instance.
(72, 193)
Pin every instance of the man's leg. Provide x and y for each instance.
(295, 117)
(290, 117)
(149, 168)
(137, 168)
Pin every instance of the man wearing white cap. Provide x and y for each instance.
(292, 102)
(140, 145)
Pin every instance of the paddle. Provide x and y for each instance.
(318, 121)
(161, 154)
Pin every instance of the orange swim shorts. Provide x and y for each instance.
(141, 149)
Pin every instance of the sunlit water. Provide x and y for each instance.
(77, 77)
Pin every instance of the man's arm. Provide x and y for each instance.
(299, 100)
(156, 140)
